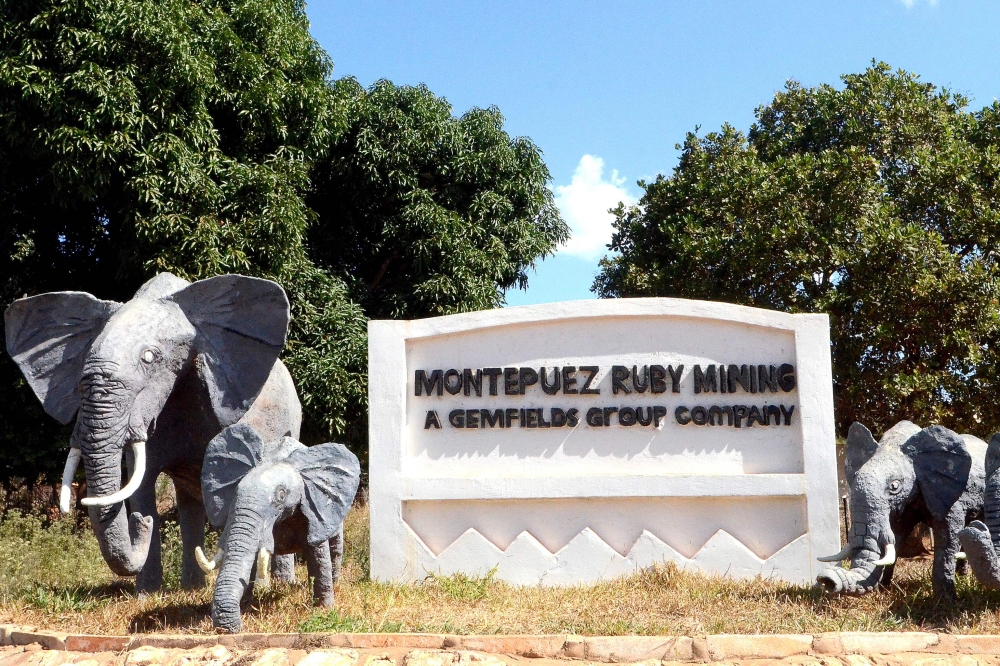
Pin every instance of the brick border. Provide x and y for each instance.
(610, 649)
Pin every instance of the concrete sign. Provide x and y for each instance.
(574, 442)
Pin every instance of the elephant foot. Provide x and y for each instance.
(980, 555)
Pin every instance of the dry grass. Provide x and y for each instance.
(52, 576)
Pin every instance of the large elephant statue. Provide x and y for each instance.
(274, 498)
(981, 539)
(933, 476)
(151, 382)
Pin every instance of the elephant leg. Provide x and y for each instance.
(337, 553)
(191, 514)
(283, 568)
(945, 549)
(321, 571)
(150, 577)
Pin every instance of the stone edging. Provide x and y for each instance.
(559, 646)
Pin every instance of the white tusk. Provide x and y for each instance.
(69, 471)
(139, 453)
(842, 555)
(890, 556)
(264, 568)
(204, 563)
(960, 555)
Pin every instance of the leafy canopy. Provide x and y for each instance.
(423, 213)
(205, 137)
(877, 202)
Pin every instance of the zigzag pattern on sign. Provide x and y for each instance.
(587, 558)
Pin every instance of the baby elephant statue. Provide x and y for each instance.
(933, 476)
(981, 540)
(274, 498)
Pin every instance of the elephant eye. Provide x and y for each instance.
(895, 486)
(279, 495)
(148, 356)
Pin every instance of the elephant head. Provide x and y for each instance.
(884, 479)
(115, 365)
(249, 486)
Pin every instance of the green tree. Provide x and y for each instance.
(877, 202)
(423, 213)
(151, 135)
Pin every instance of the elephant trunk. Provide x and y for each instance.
(242, 543)
(124, 539)
(981, 541)
(867, 544)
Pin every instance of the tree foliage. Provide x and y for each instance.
(139, 136)
(423, 213)
(877, 202)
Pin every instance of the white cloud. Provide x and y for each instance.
(584, 204)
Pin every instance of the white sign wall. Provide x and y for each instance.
(580, 441)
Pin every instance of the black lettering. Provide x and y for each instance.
(754, 415)
(456, 418)
(524, 421)
(510, 415)
(510, 381)
(657, 379)
(659, 412)
(723, 383)
(716, 411)
(432, 420)
(421, 381)
(542, 423)
(608, 411)
(739, 413)
(767, 376)
(491, 418)
(558, 417)
(550, 389)
(786, 377)
(626, 416)
(648, 417)
(531, 418)
(592, 370)
(526, 377)
(573, 417)
(472, 418)
(704, 381)
(739, 375)
(448, 385)
(675, 377)
(493, 374)
(699, 415)
(772, 410)
(595, 416)
(787, 414)
(680, 414)
(568, 379)
(640, 387)
(473, 382)
(754, 373)
(619, 373)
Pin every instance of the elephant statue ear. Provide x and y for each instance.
(330, 478)
(859, 448)
(241, 324)
(941, 462)
(49, 337)
(992, 456)
(229, 457)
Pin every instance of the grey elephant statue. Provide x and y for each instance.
(981, 539)
(933, 476)
(276, 498)
(151, 382)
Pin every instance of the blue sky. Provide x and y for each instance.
(607, 89)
